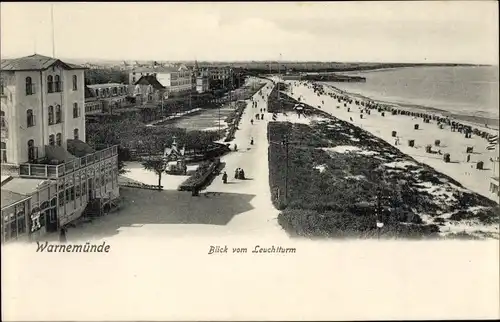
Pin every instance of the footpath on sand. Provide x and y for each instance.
(254, 161)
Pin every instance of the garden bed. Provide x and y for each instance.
(234, 121)
(201, 177)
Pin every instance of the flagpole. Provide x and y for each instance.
(53, 33)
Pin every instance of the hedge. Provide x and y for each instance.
(201, 176)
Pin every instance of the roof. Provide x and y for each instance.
(105, 85)
(35, 62)
(55, 152)
(23, 186)
(150, 80)
(8, 198)
(79, 148)
(160, 69)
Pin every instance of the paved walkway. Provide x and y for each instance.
(253, 160)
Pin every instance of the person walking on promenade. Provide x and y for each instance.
(237, 173)
(224, 177)
(468, 157)
(251, 121)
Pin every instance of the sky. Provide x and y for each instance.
(417, 32)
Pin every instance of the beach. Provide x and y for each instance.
(452, 142)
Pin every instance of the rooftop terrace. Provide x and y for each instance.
(48, 171)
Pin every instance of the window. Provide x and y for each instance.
(2, 119)
(2, 87)
(97, 92)
(50, 84)
(75, 83)
(59, 139)
(51, 115)
(115, 90)
(58, 114)
(61, 198)
(57, 83)
(29, 86)
(3, 152)
(30, 118)
(107, 92)
(76, 110)
(52, 140)
(32, 155)
(75, 134)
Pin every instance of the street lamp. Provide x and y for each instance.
(285, 143)
(378, 212)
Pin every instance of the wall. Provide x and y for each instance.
(72, 97)
(7, 103)
(22, 104)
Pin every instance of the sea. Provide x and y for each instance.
(469, 93)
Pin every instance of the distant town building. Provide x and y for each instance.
(148, 90)
(110, 95)
(92, 103)
(222, 73)
(201, 79)
(176, 80)
(49, 174)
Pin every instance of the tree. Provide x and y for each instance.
(155, 164)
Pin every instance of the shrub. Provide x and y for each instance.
(201, 176)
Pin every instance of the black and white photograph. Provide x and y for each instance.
(250, 160)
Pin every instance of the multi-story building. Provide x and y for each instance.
(112, 95)
(52, 174)
(176, 80)
(148, 90)
(92, 103)
(201, 79)
(222, 73)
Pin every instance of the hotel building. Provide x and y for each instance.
(201, 79)
(176, 80)
(109, 96)
(50, 176)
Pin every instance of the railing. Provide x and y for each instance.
(56, 171)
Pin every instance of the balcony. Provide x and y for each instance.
(48, 171)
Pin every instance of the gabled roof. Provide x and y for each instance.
(150, 80)
(8, 198)
(34, 62)
(79, 148)
(159, 69)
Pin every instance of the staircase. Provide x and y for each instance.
(93, 208)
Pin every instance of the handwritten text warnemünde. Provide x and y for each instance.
(62, 248)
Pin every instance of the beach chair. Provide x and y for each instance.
(446, 158)
(411, 143)
(415, 126)
(394, 134)
(469, 149)
(437, 142)
(480, 165)
(428, 148)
